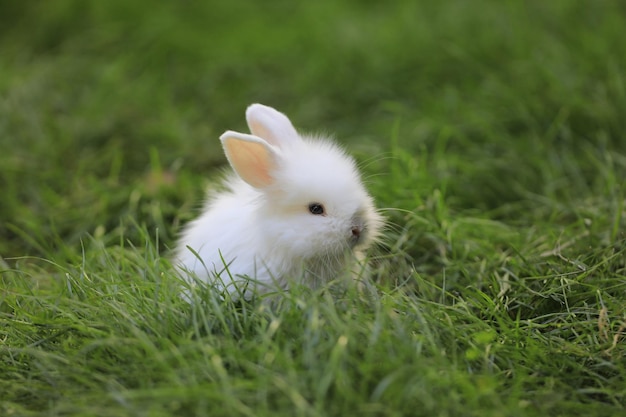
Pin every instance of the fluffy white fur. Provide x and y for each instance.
(261, 226)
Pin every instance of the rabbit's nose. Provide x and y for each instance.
(357, 229)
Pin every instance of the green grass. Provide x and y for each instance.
(492, 134)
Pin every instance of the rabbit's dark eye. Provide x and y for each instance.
(316, 208)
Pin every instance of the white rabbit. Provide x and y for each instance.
(296, 211)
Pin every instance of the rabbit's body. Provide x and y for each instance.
(296, 210)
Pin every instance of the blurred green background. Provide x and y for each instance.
(110, 112)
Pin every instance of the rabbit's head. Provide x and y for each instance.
(312, 203)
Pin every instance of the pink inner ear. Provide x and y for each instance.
(252, 161)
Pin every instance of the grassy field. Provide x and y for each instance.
(492, 135)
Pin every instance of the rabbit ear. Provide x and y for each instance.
(252, 158)
(270, 124)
